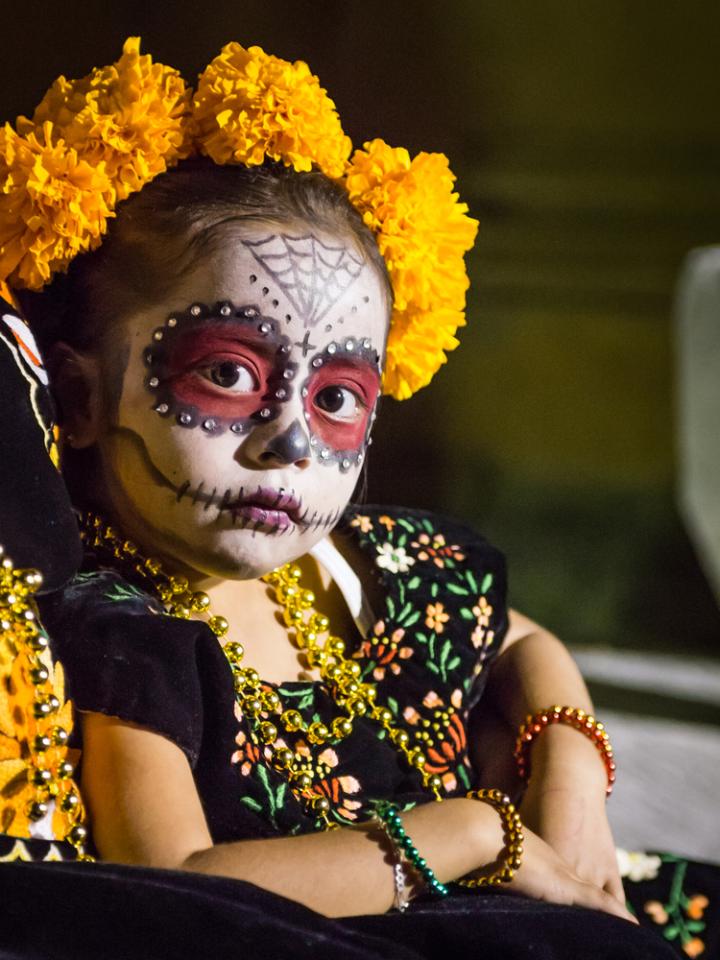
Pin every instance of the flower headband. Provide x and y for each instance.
(92, 142)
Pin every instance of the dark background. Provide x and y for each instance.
(587, 141)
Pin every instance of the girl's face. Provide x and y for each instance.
(247, 401)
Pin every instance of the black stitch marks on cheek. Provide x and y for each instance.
(157, 359)
(312, 275)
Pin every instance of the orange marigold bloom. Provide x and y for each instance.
(696, 907)
(250, 106)
(694, 947)
(423, 232)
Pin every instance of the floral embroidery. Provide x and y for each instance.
(363, 524)
(436, 618)
(635, 865)
(382, 653)
(394, 559)
(436, 549)
(680, 916)
(387, 522)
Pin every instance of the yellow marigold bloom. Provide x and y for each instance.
(53, 205)
(423, 232)
(250, 106)
(90, 144)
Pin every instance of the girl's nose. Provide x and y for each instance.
(289, 446)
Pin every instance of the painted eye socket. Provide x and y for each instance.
(231, 375)
(339, 402)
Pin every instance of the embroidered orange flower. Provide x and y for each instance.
(483, 611)
(387, 522)
(448, 752)
(436, 549)
(247, 756)
(363, 523)
(654, 909)
(436, 618)
(384, 651)
(338, 790)
(696, 907)
(694, 947)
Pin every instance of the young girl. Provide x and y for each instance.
(274, 685)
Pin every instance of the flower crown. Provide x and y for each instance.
(92, 142)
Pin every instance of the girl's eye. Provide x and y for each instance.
(340, 402)
(231, 375)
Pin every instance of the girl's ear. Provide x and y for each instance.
(76, 385)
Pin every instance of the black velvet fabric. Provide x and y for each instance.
(74, 911)
(37, 526)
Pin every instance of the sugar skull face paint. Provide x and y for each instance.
(241, 428)
(219, 368)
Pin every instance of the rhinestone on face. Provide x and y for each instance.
(162, 408)
(265, 412)
(265, 328)
(153, 382)
(184, 419)
(196, 310)
(158, 335)
(359, 458)
(285, 348)
(331, 347)
(349, 344)
(172, 321)
(324, 453)
(209, 424)
(345, 464)
(250, 312)
(366, 343)
(280, 394)
(304, 392)
(288, 374)
(236, 428)
(225, 310)
(317, 362)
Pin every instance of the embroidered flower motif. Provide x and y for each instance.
(654, 909)
(694, 947)
(363, 523)
(383, 651)
(387, 522)
(436, 549)
(431, 699)
(411, 716)
(483, 611)
(394, 559)
(447, 753)
(636, 865)
(248, 754)
(338, 790)
(482, 638)
(436, 617)
(696, 906)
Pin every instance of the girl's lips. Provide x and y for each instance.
(263, 516)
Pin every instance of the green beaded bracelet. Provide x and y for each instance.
(391, 820)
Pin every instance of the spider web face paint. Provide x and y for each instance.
(205, 339)
(313, 275)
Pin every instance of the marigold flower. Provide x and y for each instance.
(436, 617)
(250, 106)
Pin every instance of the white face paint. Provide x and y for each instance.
(247, 402)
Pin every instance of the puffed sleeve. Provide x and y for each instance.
(125, 658)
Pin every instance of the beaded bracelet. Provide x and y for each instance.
(511, 854)
(580, 720)
(389, 817)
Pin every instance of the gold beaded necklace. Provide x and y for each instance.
(261, 705)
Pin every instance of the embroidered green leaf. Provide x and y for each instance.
(421, 637)
(466, 614)
(252, 803)
(413, 583)
(472, 582)
(391, 607)
(695, 926)
(122, 592)
(487, 583)
(303, 697)
(432, 667)
(401, 540)
(393, 705)
(457, 590)
(463, 775)
(434, 589)
(453, 663)
(671, 933)
(406, 525)
(426, 525)
(413, 618)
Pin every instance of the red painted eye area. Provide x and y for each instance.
(339, 401)
(221, 372)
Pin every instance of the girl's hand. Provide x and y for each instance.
(544, 875)
(572, 819)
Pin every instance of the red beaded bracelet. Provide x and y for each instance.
(582, 721)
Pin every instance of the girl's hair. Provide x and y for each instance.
(160, 232)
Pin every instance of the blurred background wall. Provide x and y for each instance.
(586, 140)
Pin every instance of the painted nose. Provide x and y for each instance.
(290, 446)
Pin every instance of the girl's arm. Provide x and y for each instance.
(144, 809)
(565, 799)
